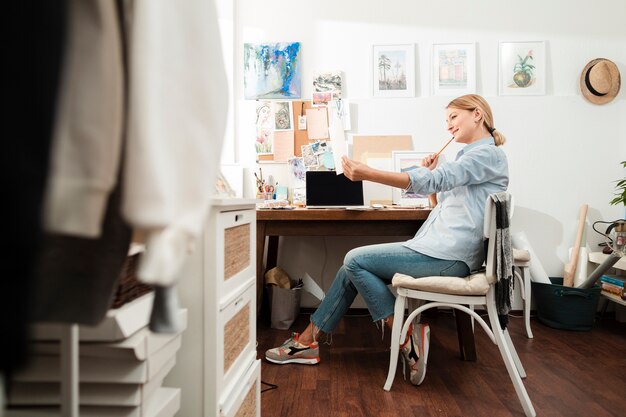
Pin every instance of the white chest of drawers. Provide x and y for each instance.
(217, 369)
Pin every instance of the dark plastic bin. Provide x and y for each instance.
(565, 307)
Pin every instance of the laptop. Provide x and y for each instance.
(326, 189)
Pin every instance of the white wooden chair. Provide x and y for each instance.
(458, 293)
(521, 263)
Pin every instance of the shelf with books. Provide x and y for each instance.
(613, 297)
(619, 268)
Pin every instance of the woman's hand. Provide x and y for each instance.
(430, 161)
(357, 171)
(354, 170)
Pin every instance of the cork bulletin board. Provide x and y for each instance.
(301, 137)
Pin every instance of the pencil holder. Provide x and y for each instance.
(264, 196)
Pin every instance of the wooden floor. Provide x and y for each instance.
(569, 373)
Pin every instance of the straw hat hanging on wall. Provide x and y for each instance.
(600, 81)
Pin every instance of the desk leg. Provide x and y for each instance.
(260, 252)
(466, 336)
(272, 252)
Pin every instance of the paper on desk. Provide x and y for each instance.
(337, 135)
(312, 288)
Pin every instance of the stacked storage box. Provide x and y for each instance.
(218, 370)
(122, 366)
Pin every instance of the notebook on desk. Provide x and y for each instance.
(326, 189)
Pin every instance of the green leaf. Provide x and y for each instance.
(620, 196)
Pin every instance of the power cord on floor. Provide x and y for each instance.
(269, 386)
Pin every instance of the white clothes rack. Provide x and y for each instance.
(69, 371)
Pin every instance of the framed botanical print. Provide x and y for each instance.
(393, 70)
(522, 69)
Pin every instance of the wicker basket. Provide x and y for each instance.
(129, 288)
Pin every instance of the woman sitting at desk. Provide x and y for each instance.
(448, 244)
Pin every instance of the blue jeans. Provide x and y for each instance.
(368, 270)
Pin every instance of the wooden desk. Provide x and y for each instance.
(339, 222)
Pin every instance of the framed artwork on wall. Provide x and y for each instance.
(522, 69)
(272, 70)
(328, 81)
(404, 161)
(222, 187)
(393, 70)
(454, 69)
(283, 115)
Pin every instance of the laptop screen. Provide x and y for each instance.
(326, 188)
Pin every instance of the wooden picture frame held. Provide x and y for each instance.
(404, 161)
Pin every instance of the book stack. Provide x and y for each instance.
(613, 284)
(121, 368)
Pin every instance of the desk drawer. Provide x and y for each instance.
(236, 337)
(235, 245)
(245, 399)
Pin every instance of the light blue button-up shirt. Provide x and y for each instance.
(454, 229)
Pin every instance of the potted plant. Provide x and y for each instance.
(620, 195)
(523, 71)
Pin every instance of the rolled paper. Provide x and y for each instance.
(601, 269)
(311, 287)
(581, 266)
(537, 273)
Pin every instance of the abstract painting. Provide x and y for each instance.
(272, 70)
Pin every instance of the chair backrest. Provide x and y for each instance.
(489, 232)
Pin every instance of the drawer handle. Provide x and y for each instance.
(238, 302)
(238, 217)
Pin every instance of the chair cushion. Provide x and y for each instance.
(476, 284)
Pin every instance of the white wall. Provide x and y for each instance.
(562, 150)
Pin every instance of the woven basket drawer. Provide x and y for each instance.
(237, 325)
(245, 401)
(236, 241)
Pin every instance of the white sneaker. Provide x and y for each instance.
(423, 342)
(415, 352)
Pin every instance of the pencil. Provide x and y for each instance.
(444, 146)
